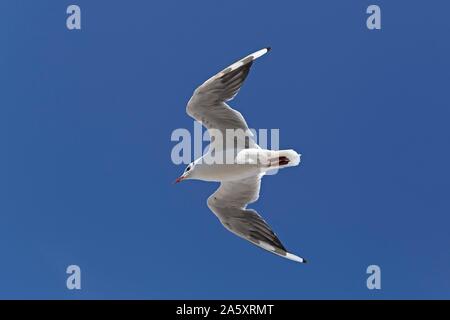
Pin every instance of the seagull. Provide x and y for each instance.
(234, 158)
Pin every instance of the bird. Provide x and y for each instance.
(234, 158)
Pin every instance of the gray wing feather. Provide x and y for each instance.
(229, 204)
(208, 103)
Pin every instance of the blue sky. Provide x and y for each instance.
(85, 168)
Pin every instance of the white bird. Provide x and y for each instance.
(234, 159)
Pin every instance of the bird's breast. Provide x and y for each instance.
(225, 172)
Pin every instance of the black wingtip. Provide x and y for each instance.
(268, 49)
(305, 261)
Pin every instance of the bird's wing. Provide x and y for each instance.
(207, 104)
(229, 204)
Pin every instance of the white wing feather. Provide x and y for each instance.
(208, 103)
(229, 204)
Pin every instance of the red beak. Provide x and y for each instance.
(179, 179)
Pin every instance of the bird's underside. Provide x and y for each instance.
(229, 202)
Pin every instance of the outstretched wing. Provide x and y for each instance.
(208, 104)
(229, 204)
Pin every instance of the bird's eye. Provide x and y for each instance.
(188, 168)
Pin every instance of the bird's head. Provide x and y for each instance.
(188, 172)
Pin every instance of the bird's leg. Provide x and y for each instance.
(278, 161)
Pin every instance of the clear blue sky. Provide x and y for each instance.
(85, 169)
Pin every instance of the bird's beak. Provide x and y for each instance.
(179, 179)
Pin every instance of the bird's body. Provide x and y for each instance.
(225, 172)
(243, 163)
(234, 159)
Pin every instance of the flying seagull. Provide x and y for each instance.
(234, 159)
